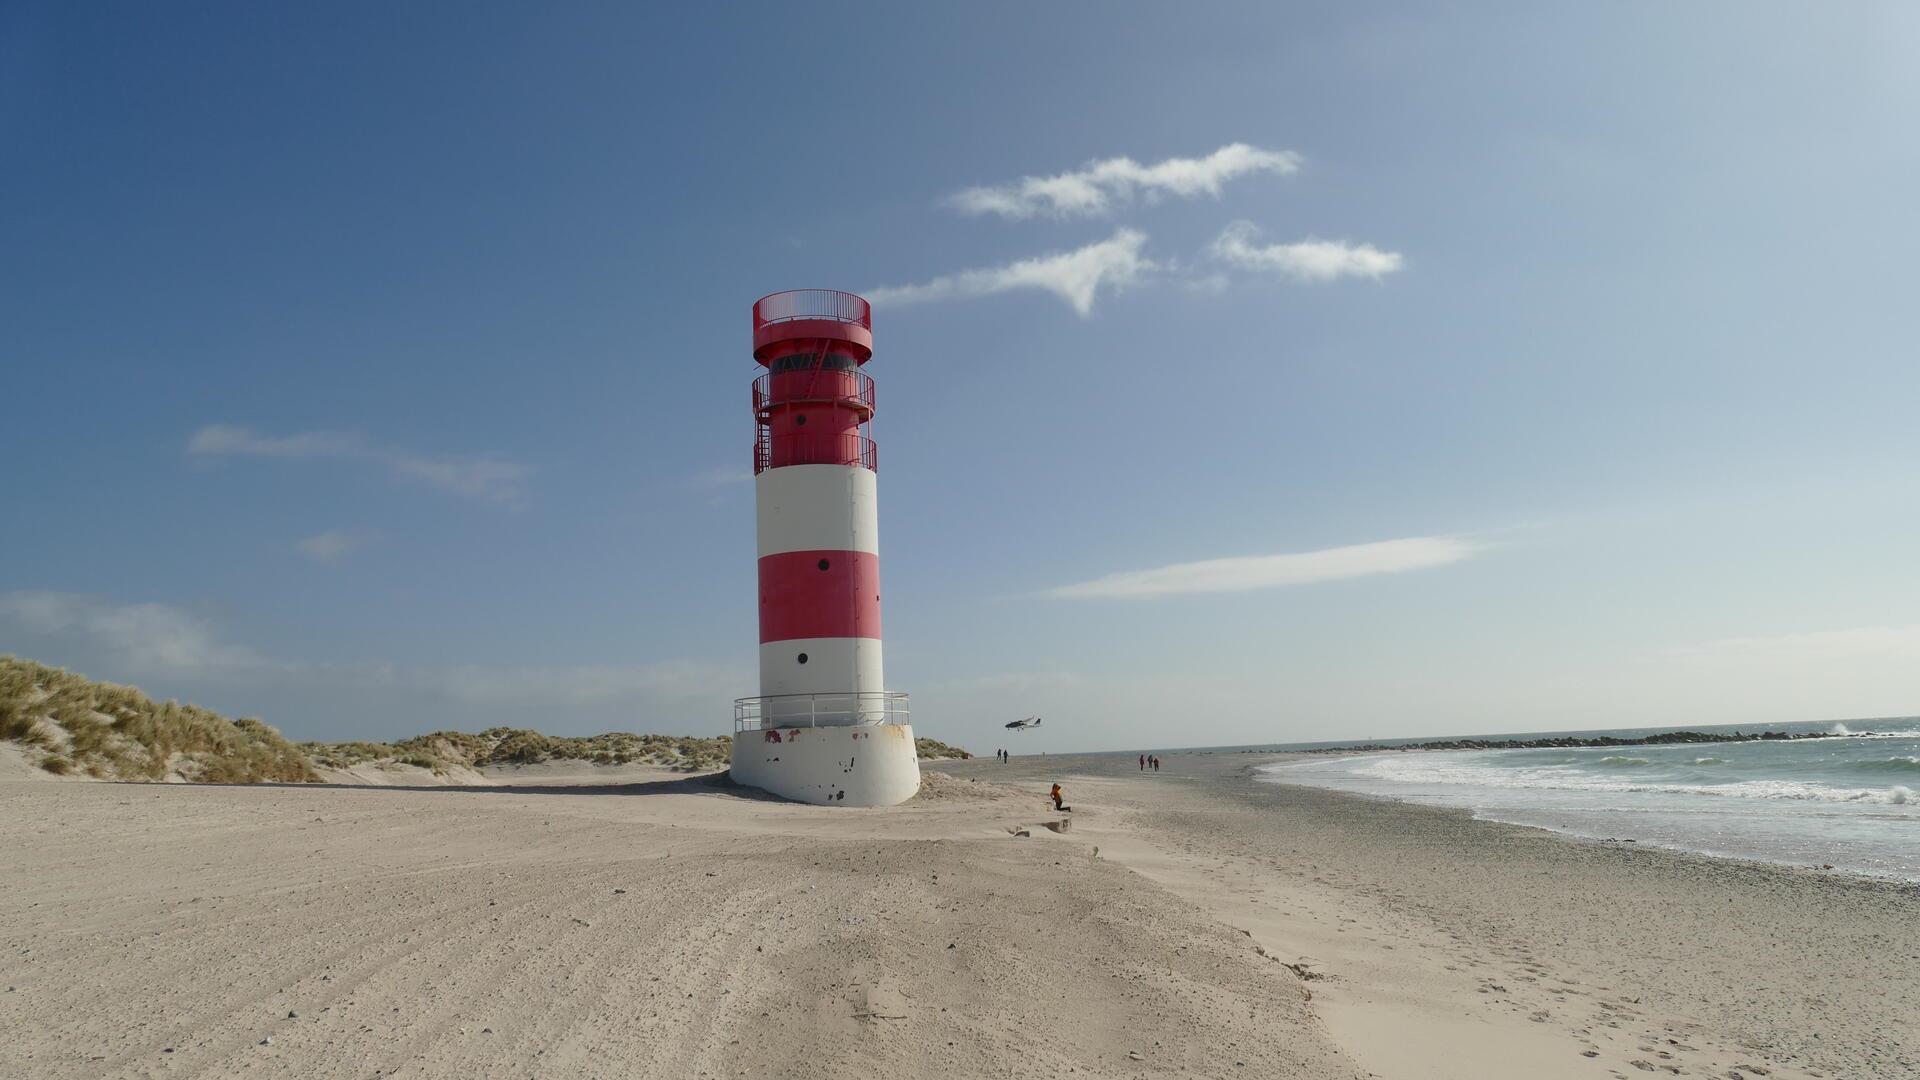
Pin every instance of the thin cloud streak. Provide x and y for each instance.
(483, 477)
(1273, 571)
(159, 640)
(1097, 187)
(330, 545)
(1074, 276)
(141, 638)
(721, 476)
(578, 685)
(1898, 642)
(1012, 682)
(1305, 260)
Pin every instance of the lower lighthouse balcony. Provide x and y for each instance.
(846, 749)
(775, 712)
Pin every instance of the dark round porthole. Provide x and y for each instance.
(824, 564)
(800, 421)
(803, 658)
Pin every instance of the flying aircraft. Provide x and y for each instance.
(1022, 725)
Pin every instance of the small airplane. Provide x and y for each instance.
(1022, 725)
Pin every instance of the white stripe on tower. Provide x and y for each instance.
(818, 508)
(819, 540)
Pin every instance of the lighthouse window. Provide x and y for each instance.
(824, 564)
(808, 361)
(803, 658)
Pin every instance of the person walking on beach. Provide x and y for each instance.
(1156, 763)
(1143, 763)
(1056, 796)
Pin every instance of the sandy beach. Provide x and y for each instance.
(1455, 947)
(1191, 923)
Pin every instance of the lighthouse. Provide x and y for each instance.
(824, 727)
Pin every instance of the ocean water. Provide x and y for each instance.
(1850, 800)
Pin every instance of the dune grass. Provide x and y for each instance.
(443, 750)
(935, 750)
(116, 732)
(72, 724)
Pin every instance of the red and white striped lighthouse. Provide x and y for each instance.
(824, 728)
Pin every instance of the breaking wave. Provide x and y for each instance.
(1400, 770)
(1899, 733)
(1847, 797)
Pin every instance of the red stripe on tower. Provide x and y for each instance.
(819, 594)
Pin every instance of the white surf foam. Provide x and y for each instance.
(1428, 770)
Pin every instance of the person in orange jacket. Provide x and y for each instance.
(1056, 797)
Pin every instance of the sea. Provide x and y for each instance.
(1849, 800)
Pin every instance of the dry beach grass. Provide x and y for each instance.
(59, 723)
(74, 725)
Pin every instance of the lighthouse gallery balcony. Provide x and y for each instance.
(776, 711)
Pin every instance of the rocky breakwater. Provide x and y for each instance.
(1569, 742)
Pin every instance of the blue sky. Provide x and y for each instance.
(377, 370)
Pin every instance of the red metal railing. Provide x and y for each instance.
(852, 389)
(811, 304)
(772, 451)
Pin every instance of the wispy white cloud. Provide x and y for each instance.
(1271, 571)
(667, 681)
(141, 638)
(1305, 260)
(1012, 682)
(331, 545)
(159, 640)
(1206, 284)
(484, 477)
(1098, 186)
(722, 476)
(227, 439)
(1074, 276)
(1860, 642)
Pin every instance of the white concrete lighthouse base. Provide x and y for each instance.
(853, 765)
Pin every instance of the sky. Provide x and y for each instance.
(1246, 373)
